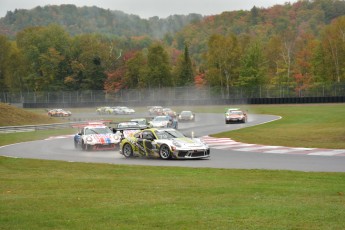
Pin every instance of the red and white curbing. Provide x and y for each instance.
(229, 144)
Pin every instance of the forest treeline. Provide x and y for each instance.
(65, 48)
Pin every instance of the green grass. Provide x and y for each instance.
(314, 126)
(38, 194)
(11, 138)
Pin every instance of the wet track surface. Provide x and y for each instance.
(206, 124)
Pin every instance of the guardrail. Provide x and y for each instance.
(31, 128)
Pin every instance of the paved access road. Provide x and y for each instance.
(62, 148)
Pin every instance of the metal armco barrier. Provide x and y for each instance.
(31, 128)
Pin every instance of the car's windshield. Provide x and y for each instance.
(128, 125)
(140, 121)
(237, 112)
(161, 118)
(168, 134)
(98, 130)
(186, 113)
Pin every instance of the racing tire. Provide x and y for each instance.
(164, 152)
(127, 150)
(85, 147)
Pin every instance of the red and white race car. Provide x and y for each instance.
(235, 115)
(96, 136)
(59, 113)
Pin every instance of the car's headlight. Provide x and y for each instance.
(89, 139)
(177, 144)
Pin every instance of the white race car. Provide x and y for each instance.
(163, 122)
(96, 137)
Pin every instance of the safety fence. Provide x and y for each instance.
(178, 96)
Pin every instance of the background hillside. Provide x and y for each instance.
(292, 47)
(81, 20)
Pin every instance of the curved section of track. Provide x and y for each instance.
(206, 124)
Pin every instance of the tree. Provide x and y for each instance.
(4, 58)
(158, 67)
(303, 73)
(184, 74)
(223, 58)
(135, 73)
(90, 57)
(253, 67)
(333, 48)
(45, 50)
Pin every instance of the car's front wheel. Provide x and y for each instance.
(164, 152)
(127, 150)
(85, 147)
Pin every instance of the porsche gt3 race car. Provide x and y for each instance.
(156, 110)
(235, 116)
(163, 143)
(163, 122)
(96, 137)
(186, 116)
(122, 110)
(127, 128)
(59, 113)
(142, 122)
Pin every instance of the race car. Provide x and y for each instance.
(103, 110)
(142, 122)
(186, 116)
(235, 116)
(122, 110)
(163, 143)
(96, 137)
(156, 110)
(126, 128)
(163, 122)
(169, 112)
(59, 113)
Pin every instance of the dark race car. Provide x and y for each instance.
(186, 116)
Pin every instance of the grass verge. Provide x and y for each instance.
(11, 138)
(313, 126)
(37, 194)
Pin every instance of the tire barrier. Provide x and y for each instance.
(297, 100)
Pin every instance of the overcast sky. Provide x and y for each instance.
(149, 8)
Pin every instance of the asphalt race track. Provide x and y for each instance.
(63, 149)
